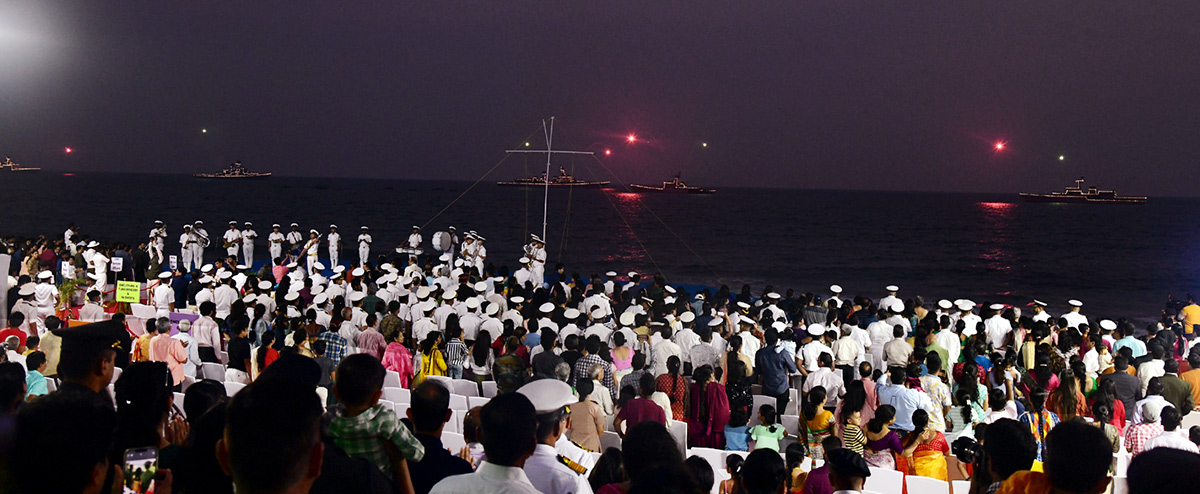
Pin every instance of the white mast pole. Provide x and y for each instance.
(546, 197)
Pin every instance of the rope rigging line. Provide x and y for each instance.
(639, 200)
(480, 179)
(562, 244)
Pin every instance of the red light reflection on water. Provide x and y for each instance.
(997, 221)
(627, 251)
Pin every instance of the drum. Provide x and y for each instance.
(442, 241)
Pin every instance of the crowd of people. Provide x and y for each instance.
(1042, 402)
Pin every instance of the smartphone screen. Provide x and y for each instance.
(141, 464)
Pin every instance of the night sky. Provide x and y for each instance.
(830, 95)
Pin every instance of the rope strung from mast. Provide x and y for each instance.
(480, 179)
(566, 217)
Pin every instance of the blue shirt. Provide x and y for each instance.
(36, 383)
(906, 401)
(1134, 344)
(736, 438)
(774, 368)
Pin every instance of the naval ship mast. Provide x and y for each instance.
(548, 131)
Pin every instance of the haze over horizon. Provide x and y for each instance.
(827, 96)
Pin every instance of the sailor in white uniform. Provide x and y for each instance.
(1039, 312)
(549, 471)
(248, 236)
(233, 240)
(454, 241)
(310, 250)
(45, 298)
(414, 240)
(158, 241)
(335, 245)
(891, 298)
(202, 242)
(100, 270)
(1074, 318)
(466, 251)
(164, 295)
(69, 239)
(295, 240)
(187, 242)
(536, 252)
(997, 328)
(364, 246)
(275, 242)
(610, 282)
(835, 293)
(480, 254)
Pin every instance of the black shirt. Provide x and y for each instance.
(570, 357)
(436, 465)
(545, 362)
(239, 353)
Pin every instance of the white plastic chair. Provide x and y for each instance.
(51, 384)
(714, 457)
(791, 423)
(926, 485)
(188, 381)
(453, 441)
(214, 371)
(458, 402)
(793, 406)
(455, 423)
(465, 387)
(223, 356)
(402, 409)
(231, 388)
(179, 400)
(679, 431)
(610, 439)
(397, 395)
(391, 379)
(960, 486)
(883, 481)
(476, 401)
(116, 375)
(1120, 484)
(489, 389)
(388, 404)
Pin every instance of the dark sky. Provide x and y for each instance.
(875, 95)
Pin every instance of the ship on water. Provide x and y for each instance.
(1079, 195)
(563, 179)
(8, 165)
(236, 170)
(673, 186)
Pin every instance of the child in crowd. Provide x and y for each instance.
(474, 450)
(767, 434)
(363, 425)
(737, 436)
(853, 438)
(456, 353)
(733, 466)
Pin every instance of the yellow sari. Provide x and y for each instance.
(929, 460)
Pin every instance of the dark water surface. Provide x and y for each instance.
(1122, 261)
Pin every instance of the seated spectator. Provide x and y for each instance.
(429, 412)
(1158, 471)
(764, 472)
(508, 430)
(1076, 460)
(1172, 436)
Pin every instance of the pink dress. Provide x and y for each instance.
(396, 358)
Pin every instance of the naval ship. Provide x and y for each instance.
(235, 170)
(8, 165)
(673, 186)
(563, 179)
(1079, 195)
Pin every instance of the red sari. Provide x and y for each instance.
(710, 415)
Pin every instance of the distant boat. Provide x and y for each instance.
(8, 165)
(1078, 195)
(674, 186)
(563, 179)
(235, 170)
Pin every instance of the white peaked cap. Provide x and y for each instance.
(626, 319)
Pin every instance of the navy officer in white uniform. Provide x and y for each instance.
(550, 472)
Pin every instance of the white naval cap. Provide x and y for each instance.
(242, 267)
(320, 298)
(356, 296)
(93, 244)
(945, 304)
(687, 317)
(632, 274)
(479, 238)
(965, 305)
(28, 289)
(626, 319)
(996, 306)
(318, 266)
(232, 223)
(1107, 325)
(816, 329)
(207, 268)
(450, 295)
(892, 288)
(199, 222)
(158, 222)
(1039, 303)
(364, 227)
(339, 268)
(250, 298)
(743, 305)
(292, 296)
(669, 289)
(45, 275)
(491, 309)
(313, 231)
(523, 260)
(517, 299)
(358, 272)
(249, 223)
(773, 296)
(835, 288)
(423, 292)
(1074, 303)
(610, 274)
(779, 326)
(598, 313)
(265, 285)
(472, 303)
(415, 227)
(226, 275)
(571, 314)
(480, 287)
(716, 321)
(274, 225)
(548, 395)
(164, 275)
(699, 296)
(294, 225)
(316, 290)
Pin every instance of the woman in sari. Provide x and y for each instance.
(882, 442)
(816, 422)
(397, 358)
(675, 387)
(710, 410)
(1066, 401)
(928, 458)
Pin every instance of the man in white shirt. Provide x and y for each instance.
(45, 298)
(810, 351)
(164, 295)
(91, 310)
(414, 241)
(508, 431)
(189, 344)
(846, 353)
(825, 377)
(897, 352)
(880, 333)
(1173, 435)
(207, 334)
(225, 295)
(294, 240)
(275, 241)
(1039, 312)
(664, 350)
